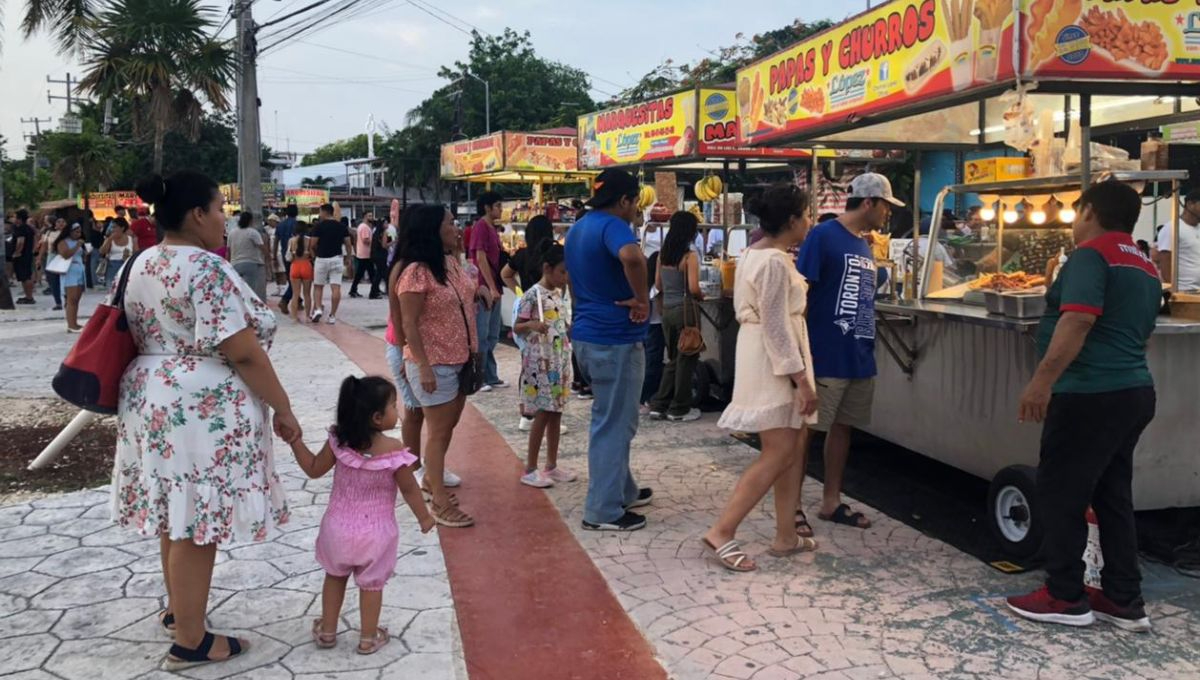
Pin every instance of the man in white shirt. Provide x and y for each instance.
(1189, 246)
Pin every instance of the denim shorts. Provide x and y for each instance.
(395, 359)
(447, 383)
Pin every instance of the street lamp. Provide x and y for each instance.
(487, 98)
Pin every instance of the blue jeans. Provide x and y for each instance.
(487, 325)
(615, 373)
(654, 362)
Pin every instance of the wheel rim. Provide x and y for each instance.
(1009, 499)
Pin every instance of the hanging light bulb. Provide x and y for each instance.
(1010, 213)
(988, 212)
(1037, 213)
(1067, 215)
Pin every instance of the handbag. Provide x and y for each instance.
(90, 376)
(470, 376)
(58, 265)
(691, 341)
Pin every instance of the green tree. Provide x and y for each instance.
(343, 149)
(23, 190)
(528, 92)
(83, 160)
(67, 20)
(161, 56)
(723, 66)
(318, 181)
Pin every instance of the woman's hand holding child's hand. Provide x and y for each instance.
(427, 523)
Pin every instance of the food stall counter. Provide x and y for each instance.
(955, 311)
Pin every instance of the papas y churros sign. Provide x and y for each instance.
(899, 52)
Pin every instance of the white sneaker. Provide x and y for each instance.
(560, 475)
(485, 388)
(526, 424)
(449, 479)
(499, 385)
(331, 321)
(537, 479)
(688, 417)
(316, 316)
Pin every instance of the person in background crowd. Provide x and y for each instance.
(974, 221)
(380, 247)
(678, 281)
(300, 274)
(611, 309)
(41, 227)
(1144, 246)
(9, 244)
(363, 264)
(94, 234)
(182, 300)
(248, 253)
(1095, 395)
(143, 229)
(521, 273)
(48, 251)
(483, 249)
(117, 248)
(24, 239)
(774, 391)
(283, 239)
(330, 243)
(545, 365)
(437, 301)
(70, 245)
(840, 269)
(1188, 278)
(655, 344)
(275, 271)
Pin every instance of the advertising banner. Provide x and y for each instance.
(1111, 40)
(718, 130)
(658, 129)
(104, 203)
(307, 198)
(897, 53)
(473, 156)
(540, 153)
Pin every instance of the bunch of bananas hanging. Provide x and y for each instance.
(709, 188)
(646, 197)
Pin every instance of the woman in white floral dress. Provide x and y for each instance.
(194, 462)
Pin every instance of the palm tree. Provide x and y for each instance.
(67, 20)
(318, 181)
(161, 56)
(84, 160)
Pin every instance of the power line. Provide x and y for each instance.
(460, 29)
(439, 10)
(348, 8)
(302, 10)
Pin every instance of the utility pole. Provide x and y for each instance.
(37, 133)
(249, 146)
(68, 98)
(6, 301)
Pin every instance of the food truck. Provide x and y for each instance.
(1033, 84)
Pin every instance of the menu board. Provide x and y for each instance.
(897, 53)
(542, 153)
(658, 129)
(473, 156)
(107, 201)
(718, 130)
(1103, 39)
(307, 198)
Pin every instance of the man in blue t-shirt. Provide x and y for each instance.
(841, 273)
(611, 306)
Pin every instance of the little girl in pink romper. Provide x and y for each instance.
(358, 534)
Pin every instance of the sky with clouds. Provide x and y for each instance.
(323, 87)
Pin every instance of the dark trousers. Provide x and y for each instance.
(362, 266)
(674, 395)
(379, 272)
(55, 286)
(1087, 458)
(654, 362)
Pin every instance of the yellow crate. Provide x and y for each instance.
(999, 169)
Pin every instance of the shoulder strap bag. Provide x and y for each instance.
(470, 376)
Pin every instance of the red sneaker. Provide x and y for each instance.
(1131, 617)
(1041, 606)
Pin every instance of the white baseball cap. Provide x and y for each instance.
(873, 185)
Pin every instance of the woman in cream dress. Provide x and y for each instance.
(774, 392)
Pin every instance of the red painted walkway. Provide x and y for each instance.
(529, 600)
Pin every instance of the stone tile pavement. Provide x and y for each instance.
(79, 596)
(888, 602)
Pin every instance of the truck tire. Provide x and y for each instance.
(1012, 511)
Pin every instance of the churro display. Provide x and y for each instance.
(958, 22)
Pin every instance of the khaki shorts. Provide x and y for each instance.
(844, 402)
(328, 271)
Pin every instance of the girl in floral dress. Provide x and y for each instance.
(358, 533)
(194, 462)
(545, 365)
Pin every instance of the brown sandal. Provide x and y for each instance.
(803, 528)
(428, 494)
(381, 638)
(321, 639)
(805, 545)
(451, 517)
